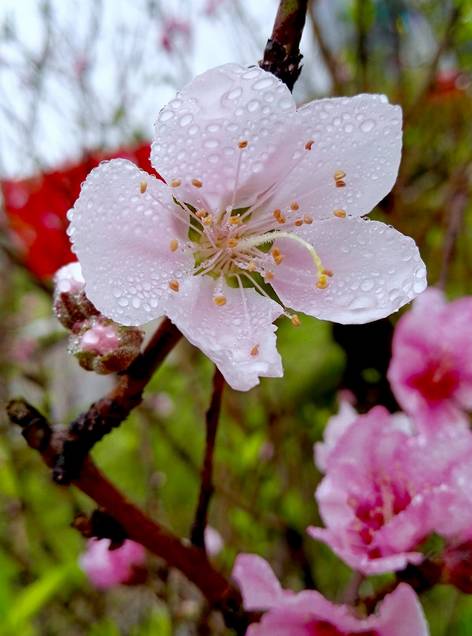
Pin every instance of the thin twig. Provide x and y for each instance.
(112, 409)
(192, 562)
(197, 534)
(282, 55)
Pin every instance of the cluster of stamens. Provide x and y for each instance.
(229, 244)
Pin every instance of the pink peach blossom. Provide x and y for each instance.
(431, 367)
(310, 614)
(257, 194)
(107, 568)
(336, 426)
(386, 490)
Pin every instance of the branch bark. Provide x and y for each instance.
(191, 561)
(207, 488)
(112, 409)
(282, 55)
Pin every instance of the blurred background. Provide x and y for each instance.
(83, 80)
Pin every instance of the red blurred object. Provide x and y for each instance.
(448, 84)
(36, 208)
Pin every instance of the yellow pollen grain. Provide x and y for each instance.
(201, 213)
(197, 183)
(278, 216)
(251, 266)
(232, 242)
(174, 285)
(341, 214)
(307, 219)
(340, 184)
(309, 144)
(243, 144)
(322, 282)
(327, 272)
(268, 276)
(255, 350)
(143, 187)
(294, 206)
(235, 220)
(277, 255)
(219, 300)
(208, 220)
(339, 174)
(173, 245)
(175, 183)
(295, 320)
(299, 222)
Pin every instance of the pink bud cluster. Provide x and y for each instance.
(98, 343)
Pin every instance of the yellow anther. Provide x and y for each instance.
(197, 183)
(309, 144)
(341, 214)
(278, 216)
(340, 184)
(277, 255)
(339, 174)
(143, 187)
(173, 245)
(235, 220)
(255, 350)
(219, 300)
(307, 219)
(295, 320)
(174, 285)
(268, 276)
(294, 206)
(327, 272)
(175, 183)
(299, 222)
(201, 213)
(208, 220)
(322, 282)
(251, 266)
(232, 242)
(243, 144)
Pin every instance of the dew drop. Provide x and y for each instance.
(367, 125)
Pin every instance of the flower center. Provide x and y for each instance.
(238, 245)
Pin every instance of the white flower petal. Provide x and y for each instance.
(376, 270)
(360, 136)
(239, 337)
(122, 239)
(197, 135)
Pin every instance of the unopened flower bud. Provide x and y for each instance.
(70, 304)
(103, 346)
(107, 567)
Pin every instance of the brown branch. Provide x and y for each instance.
(191, 561)
(282, 55)
(207, 488)
(112, 409)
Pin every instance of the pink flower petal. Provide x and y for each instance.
(336, 426)
(401, 614)
(360, 136)
(106, 568)
(376, 270)
(431, 367)
(122, 236)
(198, 132)
(239, 337)
(259, 586)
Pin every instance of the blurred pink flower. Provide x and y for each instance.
(213, 541)
(308, 613)
(431, 367)
(175, 33)
(386, 490)
(336, 426)
(106, 568)
(257, 195)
